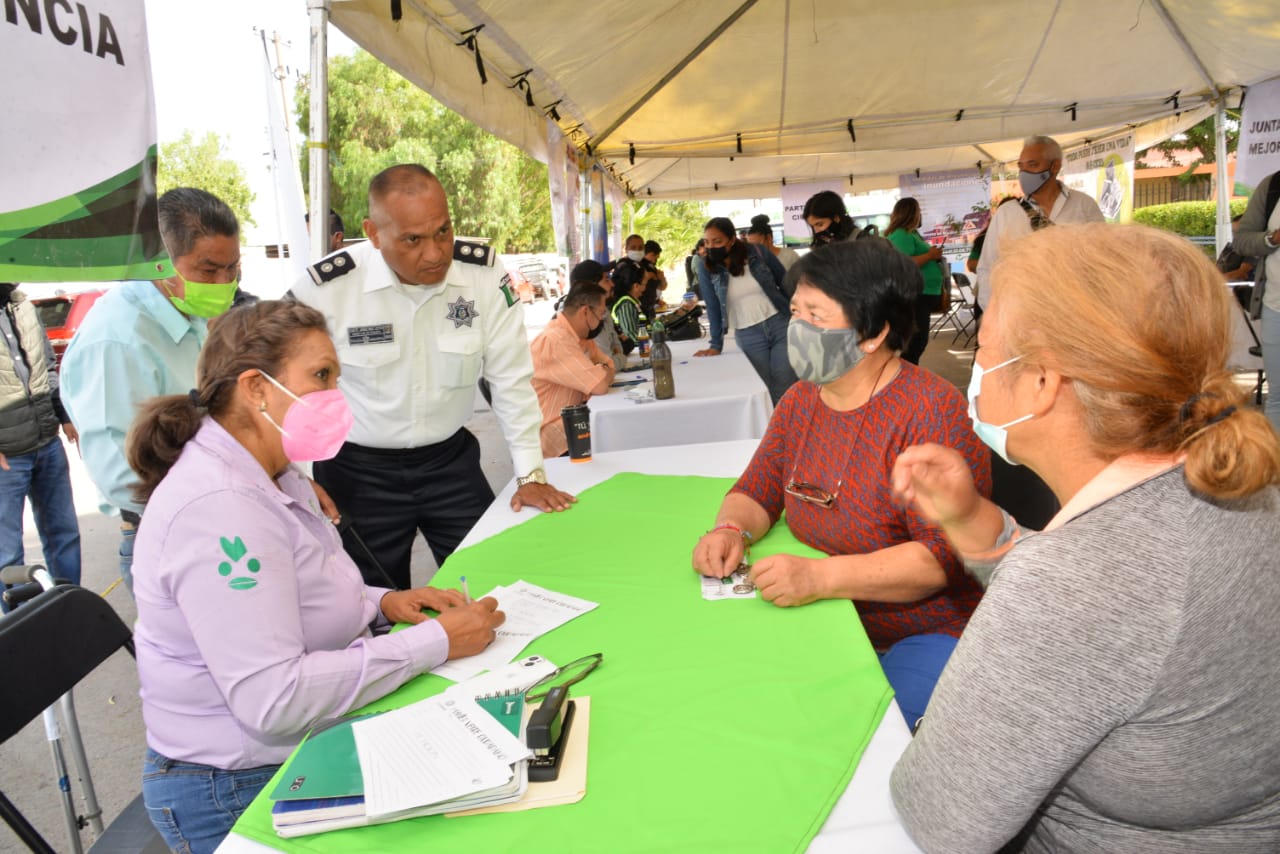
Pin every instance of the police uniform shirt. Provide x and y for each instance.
(410, 366)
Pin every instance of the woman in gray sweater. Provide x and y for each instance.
(1118, 687)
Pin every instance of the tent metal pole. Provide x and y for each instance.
(1223, 231)
(318, 133)
(671, 75)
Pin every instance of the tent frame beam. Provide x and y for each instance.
(672, 74)
(1174, 30)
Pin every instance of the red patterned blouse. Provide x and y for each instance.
(851, 454)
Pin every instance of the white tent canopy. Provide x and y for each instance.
(726, 98)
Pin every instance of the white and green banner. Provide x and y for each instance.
(78, 171)
(1103, 170)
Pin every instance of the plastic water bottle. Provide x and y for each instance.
(664, 382)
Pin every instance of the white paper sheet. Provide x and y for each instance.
(531, 611)
(738, 586)
(440, 748)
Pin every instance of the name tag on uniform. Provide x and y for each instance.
(379, 333)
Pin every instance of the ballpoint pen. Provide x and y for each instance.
(465, 590)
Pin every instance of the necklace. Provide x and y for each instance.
(811, 493)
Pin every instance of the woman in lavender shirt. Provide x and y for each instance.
(253, 624)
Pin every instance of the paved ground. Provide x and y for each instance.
(108, 702)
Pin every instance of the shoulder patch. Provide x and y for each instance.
(507, 292)
(332, 267)
(473, 253)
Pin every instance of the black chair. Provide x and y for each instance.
(1022, 494)
(47, 646)
(962, 313)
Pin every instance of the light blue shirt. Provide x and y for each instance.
(132, 346)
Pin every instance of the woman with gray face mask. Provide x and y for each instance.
(826, 459)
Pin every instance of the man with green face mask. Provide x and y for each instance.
(142, 340)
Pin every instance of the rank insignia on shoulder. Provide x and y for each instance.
(473, 253)
(332, 267)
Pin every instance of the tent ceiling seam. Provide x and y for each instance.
(673, 73)
(569, 109)
(786, 56)
(839, 126)
(1035, 59)
(1174, 30)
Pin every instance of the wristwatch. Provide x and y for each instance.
(535, 476)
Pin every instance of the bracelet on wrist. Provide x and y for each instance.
(729, 526)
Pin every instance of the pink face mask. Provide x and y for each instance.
(315, 425)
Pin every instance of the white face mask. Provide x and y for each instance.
(636, 255)
(994, 436)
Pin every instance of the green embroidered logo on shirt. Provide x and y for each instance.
(236, 549)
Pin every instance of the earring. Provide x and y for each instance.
(262, 407)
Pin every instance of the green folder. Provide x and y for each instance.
(327, 766)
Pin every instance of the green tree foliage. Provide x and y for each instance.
(677, 226)
(1190, 219)
(1201, 139)
(203, 165)
(378, 119)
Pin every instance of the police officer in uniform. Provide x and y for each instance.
(417, 319)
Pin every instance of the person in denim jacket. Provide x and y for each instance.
(742, 285)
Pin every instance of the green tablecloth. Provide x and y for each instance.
(715, 726)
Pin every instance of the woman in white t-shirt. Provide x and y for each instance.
(761, 234)
(742, 286)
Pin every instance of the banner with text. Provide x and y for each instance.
(954, 207)
(1258, 154)
(79, 164)
(795, 231)
(1103, 170)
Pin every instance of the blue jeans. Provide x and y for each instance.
(42, 476)
(127, 535)
(1270, 335)
(194, 806)
(912, 666)
(765, 346)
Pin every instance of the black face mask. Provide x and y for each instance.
(717, 255)
(827, 235)
(596, 330)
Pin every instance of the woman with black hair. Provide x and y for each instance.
(826, 461)
(624, 307)
(761, 234)
(742, 285)
(828, 218)
(904, 234)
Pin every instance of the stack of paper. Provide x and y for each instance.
(443, 753)
(531, 611)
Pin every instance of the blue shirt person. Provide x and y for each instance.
(143, 339)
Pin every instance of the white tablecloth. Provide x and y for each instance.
(864, 818)
(718, 399)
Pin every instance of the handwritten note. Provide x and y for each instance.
(531, 611)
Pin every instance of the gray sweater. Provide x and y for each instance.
(1117, 690)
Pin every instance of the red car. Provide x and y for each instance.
(62, 316)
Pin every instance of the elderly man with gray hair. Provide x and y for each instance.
(1045, 201)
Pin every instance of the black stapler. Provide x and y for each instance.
(547, 734)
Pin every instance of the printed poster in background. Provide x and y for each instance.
(796, 231)
(1103, 170)
(1258, 154)
(955, 207)
(78, 170)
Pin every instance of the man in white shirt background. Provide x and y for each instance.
(1045, 201)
